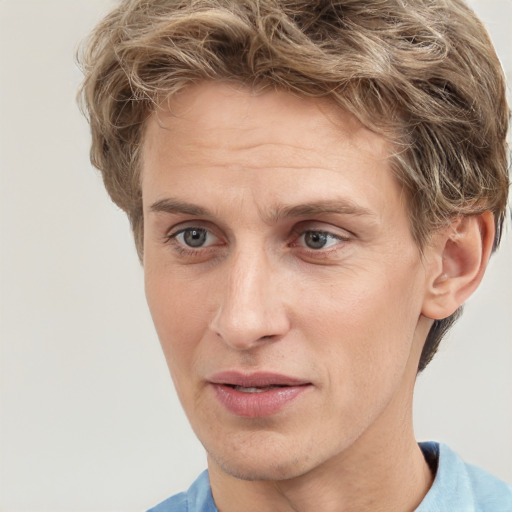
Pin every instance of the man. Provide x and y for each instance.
(315, 189)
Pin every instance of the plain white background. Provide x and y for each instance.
(89, 419)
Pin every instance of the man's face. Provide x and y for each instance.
(282, 278)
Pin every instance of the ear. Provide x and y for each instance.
(456, 262)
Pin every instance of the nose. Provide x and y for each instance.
(251, 309)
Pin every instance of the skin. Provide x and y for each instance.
(258, 175)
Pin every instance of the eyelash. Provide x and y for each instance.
(321, 252)
(184, 250)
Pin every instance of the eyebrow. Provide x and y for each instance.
(330, 206)
(322, 207)
(174, 206)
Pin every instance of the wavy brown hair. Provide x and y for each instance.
(423, 73)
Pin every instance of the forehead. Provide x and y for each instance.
(217, 143)
(219, 116)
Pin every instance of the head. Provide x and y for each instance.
(422, 74)
(408, 96)
(412, 89)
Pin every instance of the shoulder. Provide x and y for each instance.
(176, 503)
(461, 486)
(198, 498)
(489, 490)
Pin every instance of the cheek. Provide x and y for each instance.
(364, 320)
(179, 317)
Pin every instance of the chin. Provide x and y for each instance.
(260, 460)
(261, 470)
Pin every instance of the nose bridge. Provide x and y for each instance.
(250, 308)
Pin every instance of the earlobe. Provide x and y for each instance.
(458, 257)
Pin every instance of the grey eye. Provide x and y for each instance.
(194, 237)
(316, 239)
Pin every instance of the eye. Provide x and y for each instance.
(318, 239)
(194, 237)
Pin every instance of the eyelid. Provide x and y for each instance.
(176, 232)
(328, 234)
(173, 233)
(342, 236)
(333, 236)
(189, 224)
(322, 227)
(298, 231)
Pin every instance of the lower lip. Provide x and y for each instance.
(257, 405)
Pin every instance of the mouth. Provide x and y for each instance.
(243, 389)
(256, 395)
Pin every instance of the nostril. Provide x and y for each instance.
(246, 328)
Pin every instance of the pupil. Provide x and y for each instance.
(315, 239)
(195, 237)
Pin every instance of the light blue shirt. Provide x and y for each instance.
(457, 487)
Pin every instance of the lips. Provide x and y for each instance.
(257, 394)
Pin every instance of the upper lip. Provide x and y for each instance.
(257, 380)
